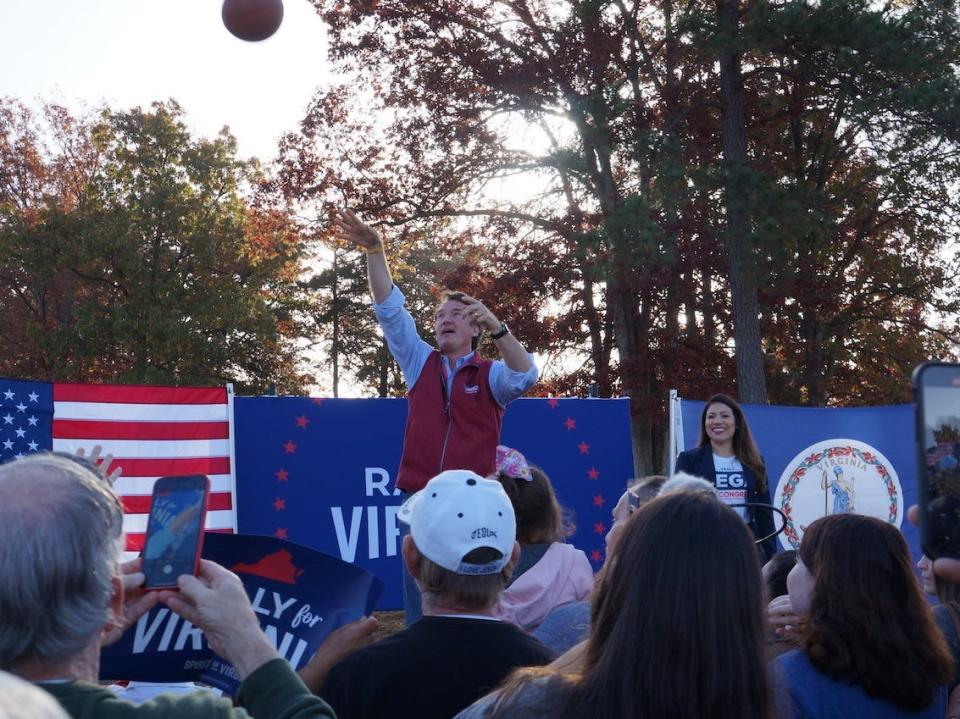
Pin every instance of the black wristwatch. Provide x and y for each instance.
(504, 331)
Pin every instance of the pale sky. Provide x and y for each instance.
(132, 52)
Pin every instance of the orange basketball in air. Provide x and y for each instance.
(252, 20)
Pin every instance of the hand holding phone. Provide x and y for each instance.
(136, 602)
(216, 601)
(936, 387)
(174, 537)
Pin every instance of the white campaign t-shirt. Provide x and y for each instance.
(731, 482)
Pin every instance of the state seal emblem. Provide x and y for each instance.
(837, 476)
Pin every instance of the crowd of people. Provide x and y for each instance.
(693, 615)
(682, 621)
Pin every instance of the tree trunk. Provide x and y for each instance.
(335, 343)
(707, 308)
(812, 330)
(751, 383)
(632, 330)
(641, 430)
(599, 347)
(383, 385)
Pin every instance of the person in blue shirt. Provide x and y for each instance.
(455, 414)
(869, 644)
(457, 324)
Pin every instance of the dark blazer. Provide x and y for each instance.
(699, 462)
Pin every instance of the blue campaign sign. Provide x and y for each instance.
(298, 594)
(320, 471)
(823, 460)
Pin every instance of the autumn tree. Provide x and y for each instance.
(139, 253)
(855, 117)
(599, 133)
(447, 77)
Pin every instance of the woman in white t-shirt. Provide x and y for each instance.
(727, 456)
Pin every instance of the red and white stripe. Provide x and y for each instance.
(152, 432)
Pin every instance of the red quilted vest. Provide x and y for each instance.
(456, 431)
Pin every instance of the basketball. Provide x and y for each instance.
(252, 20)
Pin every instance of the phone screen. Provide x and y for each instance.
(937, 388)
(174, 529)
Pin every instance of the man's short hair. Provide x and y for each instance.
(455, 295)
(470, 592)
(458, 296)
(61, 528)
(683, 482)
(646, 488)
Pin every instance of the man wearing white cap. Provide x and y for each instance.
(460, 550)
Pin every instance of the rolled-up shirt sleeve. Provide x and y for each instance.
(400, 331)
(507, 384)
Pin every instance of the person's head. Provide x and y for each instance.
(23, 700)
(62, 526)
(684, 586)
(462, 543)
(455, 331)
(683, 482)
(854, 584)
(775, 573)
(539, 515)
(723, 421)
(639, 492)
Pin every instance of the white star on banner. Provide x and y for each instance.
(32, 421)
(20, 432)
(8, 418)
(33, 396)
(33, 446)
(21, 407)
(8, 394)
(7, 444)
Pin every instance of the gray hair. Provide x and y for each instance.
(23, 700)
(61, 526)
(467, 591)
(646, 488)
(683, 482)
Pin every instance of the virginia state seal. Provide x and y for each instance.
(837, 476)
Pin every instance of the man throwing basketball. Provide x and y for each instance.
(456, 399)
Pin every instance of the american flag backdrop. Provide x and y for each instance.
(152, 431)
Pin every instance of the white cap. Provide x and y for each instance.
(457, 512)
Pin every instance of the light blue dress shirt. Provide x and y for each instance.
(411, 353)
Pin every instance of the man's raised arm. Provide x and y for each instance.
(347, 226)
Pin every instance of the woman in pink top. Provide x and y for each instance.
(550, 572)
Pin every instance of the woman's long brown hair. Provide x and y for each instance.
(869, 623)
(677, 624)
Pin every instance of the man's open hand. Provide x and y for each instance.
(102, 463)
(347, 226)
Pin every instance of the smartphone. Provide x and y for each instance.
(174, 536)
(936, 391)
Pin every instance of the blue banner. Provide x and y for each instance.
(824, 460)
(320, 471)
(298, 594)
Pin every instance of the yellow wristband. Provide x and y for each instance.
(375, 251)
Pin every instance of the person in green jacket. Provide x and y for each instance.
(65, 595)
